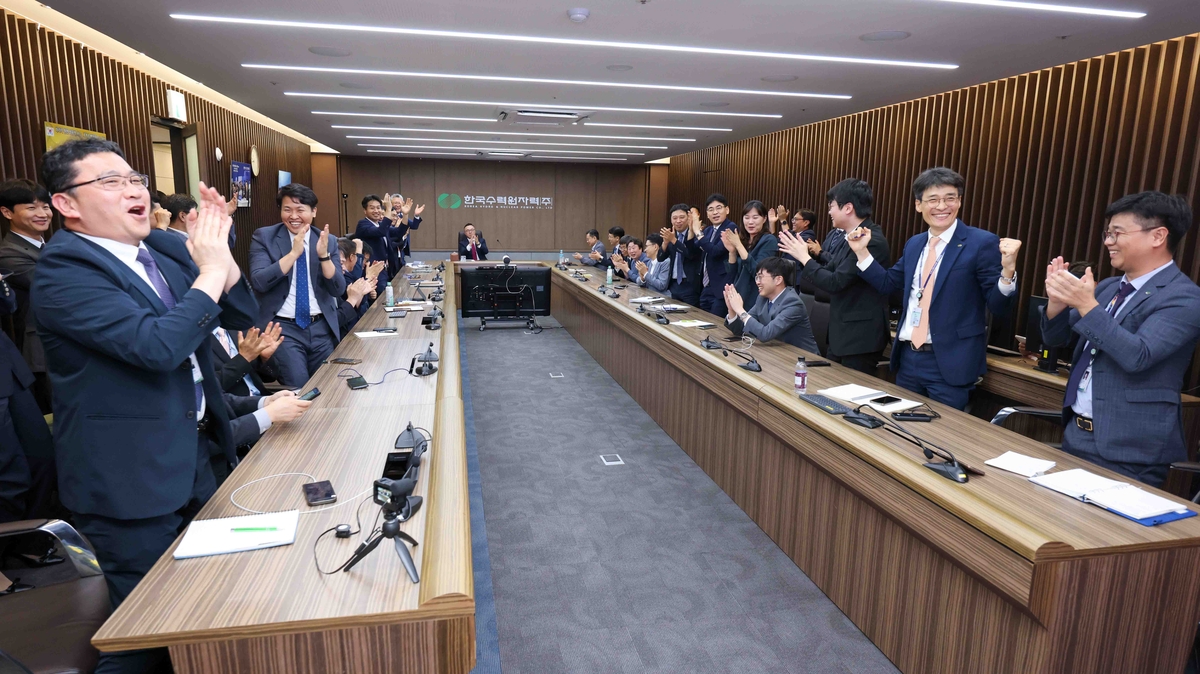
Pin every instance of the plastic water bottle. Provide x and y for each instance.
(388, 298)
(801, 376)
(608, 277)
(561, 259)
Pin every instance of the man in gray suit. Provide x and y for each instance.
(1122, 406)
(26, 206)
(654, 275)
(779, 312)
(596, 254)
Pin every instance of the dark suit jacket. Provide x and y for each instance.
(741, 273)
(124, 400)
(785, 320)
(715, 256)
(386, 240)
(964, 290)
(20, 257)
(231, 371)
(858, 314)
(597, 247)
(689, 256)
(271, 285)
(1142, 355)
(464, 252)
(14, 372)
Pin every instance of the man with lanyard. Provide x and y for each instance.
(713, 274)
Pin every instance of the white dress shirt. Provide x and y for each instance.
(127, 254)
(1083, 399)
(37, 243)
(288, 310)
(260, 415)
(904, 334)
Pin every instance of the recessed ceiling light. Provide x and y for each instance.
(619, 68)
(714, 104)
(506, 154)
(542, 80)
(885, 36)
(1071, 9)
(513, 149)
(426, 32)
(539, 156)
(494, 104)
(330, 51)
(353, 85)
(506, 142)
(655, 126)
(456, 154)
(372, 107)
(523, 122)
(514, 133)
(546, 113)
(779, 78)
(578, 14)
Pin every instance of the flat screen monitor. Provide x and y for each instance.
(498, 291)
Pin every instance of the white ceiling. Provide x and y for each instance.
(985, 42)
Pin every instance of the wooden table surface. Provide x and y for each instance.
(345, 438)
(995, 575)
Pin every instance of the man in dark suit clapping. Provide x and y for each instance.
(125, 313)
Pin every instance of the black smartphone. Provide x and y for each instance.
(885, 400)
(356, 383)
(912, 416)
(346, 361)
(311, 394)
(319, 493)
(385, 329)
(818, 363)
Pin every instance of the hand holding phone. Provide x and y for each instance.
(311, 394)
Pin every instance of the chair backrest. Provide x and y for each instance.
(818, 317)
(808, 303)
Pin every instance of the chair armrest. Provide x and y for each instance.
(1186, 466)
(1006, 412)
(21, 527)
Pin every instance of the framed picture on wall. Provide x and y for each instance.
(239, 182)
(285, 178)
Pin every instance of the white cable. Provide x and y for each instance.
(303, 512)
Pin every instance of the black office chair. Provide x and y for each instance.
(818, 317)
(1039, 413)
(808, 302)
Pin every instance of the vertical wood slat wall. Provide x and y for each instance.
(1043, 154)
(45, 77)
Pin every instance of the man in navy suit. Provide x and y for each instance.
(296, 271)
(684, 254)
(712, 270)
(125, 314)
(950, 276)
(1137, 332)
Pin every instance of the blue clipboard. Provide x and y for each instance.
(1158, 519)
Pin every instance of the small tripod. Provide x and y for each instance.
(390, 529)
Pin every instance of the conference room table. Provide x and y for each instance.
(270, 610)
(994, 575)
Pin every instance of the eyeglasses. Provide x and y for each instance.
(763, 276)
(1116, 234)
(937, 201)
(115, 183)
(715, 209)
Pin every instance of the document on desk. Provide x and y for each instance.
(858, 395)
(1119, 497)
(242, 533)
(369, 335)
(694, 324)
(1025, 466)
(647, 300)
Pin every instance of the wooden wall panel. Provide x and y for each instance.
(1043, 155)
(657, 204)
(45, 77)
(329, 197)
(585, 196)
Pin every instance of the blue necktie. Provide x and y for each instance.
(1085, 360)
(678, 263)
(167, 297)
(303, 316)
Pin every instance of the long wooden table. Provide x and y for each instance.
(269, 610)
(995, 575)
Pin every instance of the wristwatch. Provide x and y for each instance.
(327, 258)
(1007, 281)
(745, 316)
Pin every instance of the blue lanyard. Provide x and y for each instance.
(936, 263)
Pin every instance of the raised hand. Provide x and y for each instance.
(594, 255)
(730, 238)
(772, 218)
(323, 243)
(358, 245)
(814, 247)
(273, 337)
(783, 213)
(373, 270)
(357, 290)
(668, 235)
(420, 210)
(231, 206)
(1008, 255)
(642, 268)
(162, 218)
(251, 344)
(1078, 293)
(406, 207)
(297, 246)
(208, 232)
(794, 246)
(733, 300)
(858, 240)
(696, 224)
(578, 256)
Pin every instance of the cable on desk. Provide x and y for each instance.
(358, 523)
(341, 374)
(233, 500)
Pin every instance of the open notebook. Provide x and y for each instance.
(238, 534)
(1121, 498)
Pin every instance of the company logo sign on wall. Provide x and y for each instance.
(449, 200)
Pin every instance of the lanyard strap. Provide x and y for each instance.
(933, 270)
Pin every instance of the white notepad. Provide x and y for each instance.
(1119, 497)
(647, 300)
(217, 536)
(692, 324)
(1025, 466)
(368, 335)
(857, 395)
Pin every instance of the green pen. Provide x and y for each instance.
(241, 529)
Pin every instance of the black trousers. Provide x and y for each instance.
(28, 478)
(867, 363)
(126, 549)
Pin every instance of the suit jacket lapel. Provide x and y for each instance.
(951, 253)
(118, 270)
(170, 271)
(283, 243)
(314, 265)
(1160, 279)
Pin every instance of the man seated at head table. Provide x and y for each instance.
(779, 312)
(1137, 333)
(653, 275)
(596, 253)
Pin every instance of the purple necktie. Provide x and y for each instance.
(165, 294)
(1085, 360)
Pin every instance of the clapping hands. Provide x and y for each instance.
(208, 235)
(1064, 290)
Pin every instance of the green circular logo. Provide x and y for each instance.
(449, 200)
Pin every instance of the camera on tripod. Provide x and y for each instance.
(395, 496)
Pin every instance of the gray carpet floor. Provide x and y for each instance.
(643, 567)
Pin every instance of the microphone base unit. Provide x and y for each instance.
(950, 470)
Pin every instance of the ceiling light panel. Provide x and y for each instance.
(509, 149)
(505, 142)
(574, 42)
(552, 106)
(513, 133)
(542, 80)
(444, 119)
(452, 154)
(1046, 7)
(656, 126)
